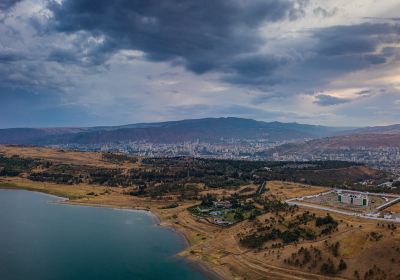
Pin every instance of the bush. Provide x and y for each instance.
(342, 265)
(169, 206)
(253, 241)
(328, 267)
(327, 220)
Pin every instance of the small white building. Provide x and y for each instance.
(222, 204)
(358, 199)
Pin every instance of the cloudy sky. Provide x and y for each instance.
(102, 62)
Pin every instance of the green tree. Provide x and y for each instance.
(342, 265)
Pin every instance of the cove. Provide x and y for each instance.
(40, 239)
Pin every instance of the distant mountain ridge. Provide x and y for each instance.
(207, 129)
(389, 129)
(32, 135)
(337, 143)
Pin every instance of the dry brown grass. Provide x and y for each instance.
(394, 208)
(60, 156)
(67, 191)
(286, 190)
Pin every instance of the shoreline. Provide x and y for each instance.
(195, 265)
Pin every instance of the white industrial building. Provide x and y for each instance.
(357, 199)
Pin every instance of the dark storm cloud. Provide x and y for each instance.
(328, 100)
(253, 70)
(7, 4)
(255, 65)
(7, 57)
(355, 39)
(220, 36)
(63, 56)
(202, 35)
(339, 50)
(213, 36)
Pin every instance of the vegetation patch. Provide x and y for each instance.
(287, 229)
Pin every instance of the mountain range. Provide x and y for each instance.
(210, 130)
(207, 130)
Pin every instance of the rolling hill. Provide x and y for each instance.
(389, 129)
(375, 148)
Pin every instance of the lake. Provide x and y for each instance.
(44, 240)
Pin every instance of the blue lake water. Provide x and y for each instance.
(42, 240)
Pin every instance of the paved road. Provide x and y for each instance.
(295, 201)
(388, 204)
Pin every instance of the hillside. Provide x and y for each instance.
(356, 141)
(390, 129)
(208, 130)
(378, 150)
(33, 135)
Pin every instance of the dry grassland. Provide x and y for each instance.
(219, 248)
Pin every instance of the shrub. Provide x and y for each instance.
(342, 265)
